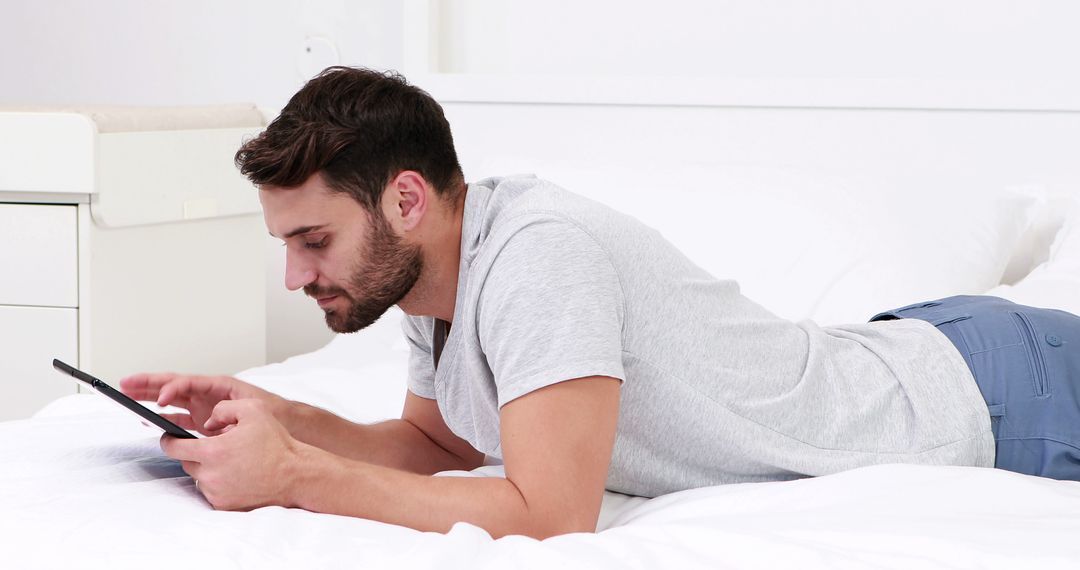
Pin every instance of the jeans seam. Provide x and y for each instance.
(995, 348)
(1040, 437)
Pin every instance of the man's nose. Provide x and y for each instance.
(298, 272)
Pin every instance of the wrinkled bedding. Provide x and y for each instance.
(84, 484)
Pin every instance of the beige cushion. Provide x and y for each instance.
(115, 118)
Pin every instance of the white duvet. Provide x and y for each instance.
(83, 484)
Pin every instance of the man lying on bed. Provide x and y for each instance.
(579, 347)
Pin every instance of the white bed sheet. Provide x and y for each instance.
(84, 484)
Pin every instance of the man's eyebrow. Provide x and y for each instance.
(299, 231)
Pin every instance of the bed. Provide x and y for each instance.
(826, 214)
(82, 481)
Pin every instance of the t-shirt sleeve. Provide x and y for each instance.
(550, 310)
(421, 378)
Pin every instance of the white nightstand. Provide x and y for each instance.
(128, 242)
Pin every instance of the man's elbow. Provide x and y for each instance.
(548, 532)
(542, 528)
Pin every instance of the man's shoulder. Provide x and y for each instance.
(520, 201)
(523, 193)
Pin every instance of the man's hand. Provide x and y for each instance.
(419, 442)
(198, 395)
(254, 462)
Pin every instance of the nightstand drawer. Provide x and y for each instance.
(30, 337)
(39, 255)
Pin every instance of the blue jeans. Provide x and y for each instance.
(1026, 362)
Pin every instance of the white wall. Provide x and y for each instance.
(158, 52)
(956, 39)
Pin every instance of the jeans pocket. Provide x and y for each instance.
(895, 314)
(1040, 382)
(937, 322)
(918, 306)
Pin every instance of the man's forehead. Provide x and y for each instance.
(289, 212)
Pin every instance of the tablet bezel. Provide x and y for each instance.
(118, 397)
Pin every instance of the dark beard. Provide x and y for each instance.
(386, 273)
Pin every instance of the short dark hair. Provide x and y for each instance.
(360, 128)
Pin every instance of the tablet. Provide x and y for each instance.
(118, 397)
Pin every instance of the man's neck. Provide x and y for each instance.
(435, 293)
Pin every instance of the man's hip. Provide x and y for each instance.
(1026, 362)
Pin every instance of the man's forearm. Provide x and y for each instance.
(333, 484)
(397, 444)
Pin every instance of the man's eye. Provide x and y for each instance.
(315, 245)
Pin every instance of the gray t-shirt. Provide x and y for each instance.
(715, 389)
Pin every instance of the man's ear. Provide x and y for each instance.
(405, 200)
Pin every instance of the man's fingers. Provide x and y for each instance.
(182, 390)
(185, 421)
(224, 414)
(191, 468)
(182, 420)
(145, 386)
(177, 390)
(194, 469)
(182, 449)
(229, 412)
(137, 387)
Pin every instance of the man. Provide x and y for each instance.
(580, 348)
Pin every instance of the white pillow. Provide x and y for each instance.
(807, 243)
(1051, 210)
(926, 246)
(1055, 283)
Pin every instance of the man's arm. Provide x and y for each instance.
(556, 443)
(419, 442)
